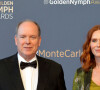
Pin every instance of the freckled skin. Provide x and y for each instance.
(95, 43)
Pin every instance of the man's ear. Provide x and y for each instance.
(15, 40)
(39, 41)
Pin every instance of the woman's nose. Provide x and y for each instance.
(98, 43)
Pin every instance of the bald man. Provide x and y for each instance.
(27, 71)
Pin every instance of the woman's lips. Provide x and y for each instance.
(98, 50)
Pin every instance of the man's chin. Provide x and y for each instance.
(29, 55)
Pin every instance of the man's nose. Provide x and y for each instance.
(27, 40)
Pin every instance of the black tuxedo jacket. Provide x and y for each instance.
(50, 75)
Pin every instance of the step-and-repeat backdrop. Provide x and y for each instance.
(64, 25)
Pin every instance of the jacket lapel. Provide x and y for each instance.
(14, 73)
(43, 73)
(87, 79)
(12, 68)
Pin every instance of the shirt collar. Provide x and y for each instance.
(20, 58)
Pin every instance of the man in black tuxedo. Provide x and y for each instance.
(26, 70)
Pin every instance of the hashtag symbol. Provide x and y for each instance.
(45, 1)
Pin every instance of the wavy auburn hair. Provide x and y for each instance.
(87, 58)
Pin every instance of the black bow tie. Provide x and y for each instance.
(31, 64)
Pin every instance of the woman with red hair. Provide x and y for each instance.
(88, 76)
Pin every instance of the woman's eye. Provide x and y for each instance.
(94, 40)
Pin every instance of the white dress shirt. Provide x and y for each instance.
(29, 75)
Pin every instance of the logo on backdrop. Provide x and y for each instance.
(60, 53)
(73, 2)
(6, 9)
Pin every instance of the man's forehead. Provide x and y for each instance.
(28, 26)
(28, 23)
(26, 29)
